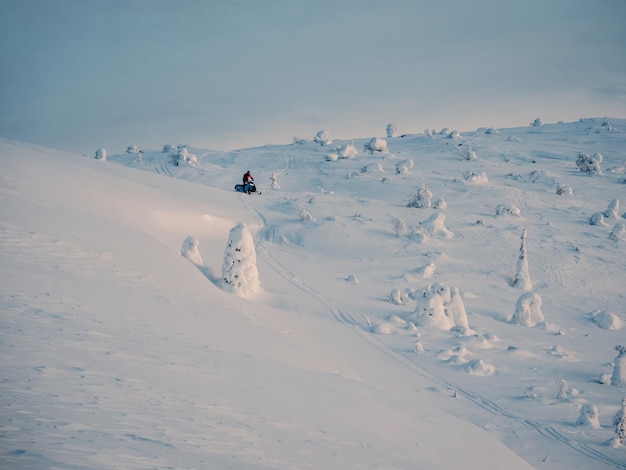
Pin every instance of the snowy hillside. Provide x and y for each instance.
(432, 300)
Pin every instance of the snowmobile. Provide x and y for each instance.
(248, 188)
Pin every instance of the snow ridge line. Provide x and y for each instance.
(263, 248)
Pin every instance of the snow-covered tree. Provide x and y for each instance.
(589, 164)
(322, 138)
(435, 226)
(101, 154)
(274, 181)
(348, 151)
(404, 166)
(191, 250)
(399, 227)
(421, 198)
(522, 276)
(619, 421)
(392, 131)
(131, 149)
(589, 416)
(306, 216)
(239, 271)
(440, 307)
(562, 389)
(537, 122)
(619, 369)
(376, 144)
(564, 190)
(528, 310)
(597, 218)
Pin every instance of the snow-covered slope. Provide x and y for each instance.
(118, 351)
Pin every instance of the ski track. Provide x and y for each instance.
(264, 250)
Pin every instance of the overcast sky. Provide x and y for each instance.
(85, 74)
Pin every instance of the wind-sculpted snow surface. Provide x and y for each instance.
(116, 351)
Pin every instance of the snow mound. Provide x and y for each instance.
(191, 250)
(528, 310)
(606, 320)
(480, 368)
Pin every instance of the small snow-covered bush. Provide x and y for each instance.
(399, 227)
(349, 151)
(131, 149)
(274, 181)
(183, 157)
(440, 204)
(404, 166)
(528, 310)
(492, 130)
(589, 416)
(454, 135)
(505, 209)
(101, 154)
(168, 148)
(468, 155)
(306, 216)
(397, 297)
(332, 157)
(392, 131)
(589, 164)
(537, 122)
(322, 138)
(421, 198)
(376, 145)
(475, 177)
(562, 389)
(619, 421)
(480, 368)
(562, 189)
(428, 133)
(440, 307)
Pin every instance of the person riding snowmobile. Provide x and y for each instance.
(248, 182)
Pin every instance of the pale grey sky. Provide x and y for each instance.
(84, 74)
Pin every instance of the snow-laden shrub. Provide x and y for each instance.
(428, 133)
(563, 190)
(376, 145)
(597, 218)
(191, 250)
(468, 154)
(528, 310)
(101, 154)
(618, 378)
(440, 204)
(183, 157)
(399, 227)
(612, 210)
(392, 131)
(239, 271)
(454, 135)
(421, 198)
(492, 130)
(480, 368)
(332, 157)
(322, 138)
(589, 164)
(131, 149)
(475, 177)
(404, 166)
(506, 209)
(562, 389)
(589, 416)
(352, 279)
(306, 216)
(397, 297)
(618, 232)
(348, 151)
(440, 307)
(537, 122)
(168, 148)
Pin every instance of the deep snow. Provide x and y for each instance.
(119, 352)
